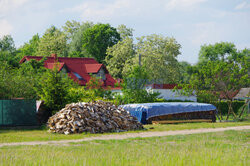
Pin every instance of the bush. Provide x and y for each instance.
(222, 106)
(53, 90)
(133, 88)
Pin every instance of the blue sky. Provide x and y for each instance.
(191, 22)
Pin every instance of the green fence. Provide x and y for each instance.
(18, 113)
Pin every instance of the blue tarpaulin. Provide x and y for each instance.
(148, 110)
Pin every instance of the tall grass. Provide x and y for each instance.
(42, 134)
(223, 148)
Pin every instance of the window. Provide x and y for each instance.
(101, 74)
(78, 76)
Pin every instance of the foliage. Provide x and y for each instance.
(98, 38)
(185, 71)
(30, 48)
(76, 40)
(91, 92)
(70, 28)
(125, 32)
(53, 90)
(7, 44)
(222, 106)
(20, 82)
(159, 54)
(52, 42)
(221, 70)
(133, 88)
(118, 55)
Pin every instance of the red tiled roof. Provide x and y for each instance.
(93, 68)
(58, 65)
(163, 86)
(76, 67)
(228, 95)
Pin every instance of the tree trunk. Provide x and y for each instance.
(243, 107)
(230, 109)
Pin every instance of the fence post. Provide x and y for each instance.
(2, 110)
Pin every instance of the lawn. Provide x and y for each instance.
(41, 134)
(221, 148)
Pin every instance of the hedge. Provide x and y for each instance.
(223, 106)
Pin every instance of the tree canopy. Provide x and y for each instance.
(98, 38)
(52, 42)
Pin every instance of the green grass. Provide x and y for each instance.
(222, 148)
(41, 134)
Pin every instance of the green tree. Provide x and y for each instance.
(133, 88)
(7, 44)
(159, 54)
(30, 48)
(53, 90)
(186, 71)
(20, 82)
(125, 32)
(70, 28)
(53, 41)
(219, 51)
(221, 69)
(98, 38)
(76, 43)
(118, 55)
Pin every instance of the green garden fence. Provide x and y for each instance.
(18, 113)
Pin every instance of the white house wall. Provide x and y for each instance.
(169, 94)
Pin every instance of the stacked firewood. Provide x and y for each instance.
(94, 117)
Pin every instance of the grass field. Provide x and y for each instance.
(41, 134)
(222, 148)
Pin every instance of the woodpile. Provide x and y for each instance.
(94, 117)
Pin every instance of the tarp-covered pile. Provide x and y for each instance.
(148, 110)
(95, 117)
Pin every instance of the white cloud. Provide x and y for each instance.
(5, 27)
(95, 10)
(206, 32)
(182, 4)
(243, 5)
(9, 5)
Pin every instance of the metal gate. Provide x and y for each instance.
(18, 113)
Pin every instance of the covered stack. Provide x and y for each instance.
(95, 117)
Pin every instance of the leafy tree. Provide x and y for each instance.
(70, 28)
(186, 71)
(53, 90)
(76, 42)
(159, 54)
(118, 55)
(7, 44)
(31, 47)
(124, 31)
(19, 82)
(133, 88)
(219, 51)
(53, 41)
(8, 51)
(98, 38)
(222, 70)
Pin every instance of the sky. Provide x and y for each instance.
(191, 22)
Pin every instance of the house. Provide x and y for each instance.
(168, 93)
(79, 69)
(243, 94)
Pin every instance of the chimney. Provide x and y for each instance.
(54, 56)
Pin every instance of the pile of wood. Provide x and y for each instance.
(95, 117)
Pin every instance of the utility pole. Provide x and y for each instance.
(139, 59)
